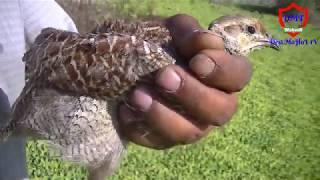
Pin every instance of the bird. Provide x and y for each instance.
(75, 82)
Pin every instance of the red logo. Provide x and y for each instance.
(302, 18)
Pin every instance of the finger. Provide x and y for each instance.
(188, 42)
(162, 120)
(135, 130)
(207, 105)
(221, 70)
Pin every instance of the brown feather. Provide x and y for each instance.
(74, 84)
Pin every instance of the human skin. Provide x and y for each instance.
(208, 89)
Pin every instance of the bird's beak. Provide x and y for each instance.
(259, 44)
(268, 43)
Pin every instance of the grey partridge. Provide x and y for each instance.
(75, 82)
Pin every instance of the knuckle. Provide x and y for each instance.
(190, 137)
(240, 85)
(228, 107)
(240, 73)
(246, 71)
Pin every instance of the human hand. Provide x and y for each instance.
(208, 91)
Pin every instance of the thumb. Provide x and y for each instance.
(188, 42)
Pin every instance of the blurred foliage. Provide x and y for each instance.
(272, 6)
(275, 134)
(132, 8)
(88, 13)
(309, 3)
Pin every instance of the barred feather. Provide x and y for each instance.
(75, 82)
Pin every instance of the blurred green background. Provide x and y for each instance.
(275, 133)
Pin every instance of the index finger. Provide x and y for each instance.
(188, 42)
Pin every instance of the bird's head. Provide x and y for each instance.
(241, 34)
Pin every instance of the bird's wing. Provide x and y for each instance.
(98, 65)
(153, 31)
(104, 64)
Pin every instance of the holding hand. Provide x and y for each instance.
(208, 91)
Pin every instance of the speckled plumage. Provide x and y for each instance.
(75, 82)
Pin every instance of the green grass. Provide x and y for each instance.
(274, 135)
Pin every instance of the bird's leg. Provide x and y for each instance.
(100, 173)
(108, 167)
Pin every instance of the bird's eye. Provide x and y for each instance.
(251, 29)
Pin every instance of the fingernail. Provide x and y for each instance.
(202, 65)
(169, 80)
(141, 99)
(126, 115)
